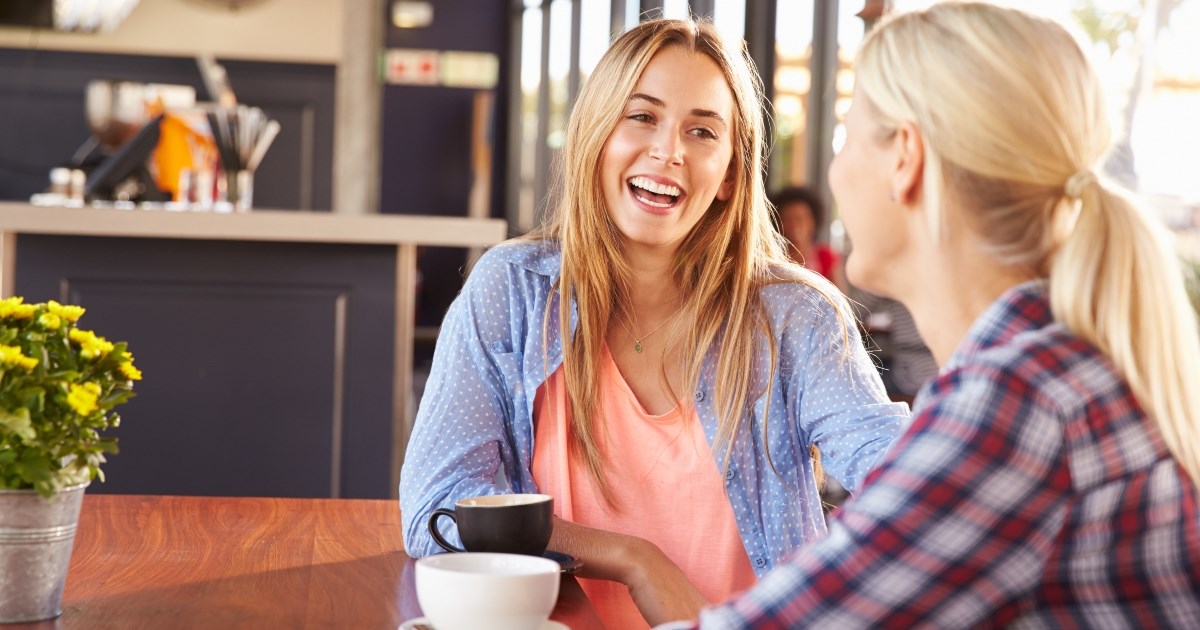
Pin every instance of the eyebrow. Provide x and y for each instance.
(658, 102)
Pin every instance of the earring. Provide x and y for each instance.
(892, 195)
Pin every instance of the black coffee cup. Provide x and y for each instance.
(501, 523)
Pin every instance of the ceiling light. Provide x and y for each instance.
(412, 14)
(90, 15)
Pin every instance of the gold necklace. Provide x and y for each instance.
(637, 342)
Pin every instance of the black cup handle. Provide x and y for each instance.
(437, 536)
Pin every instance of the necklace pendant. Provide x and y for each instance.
(637, 347)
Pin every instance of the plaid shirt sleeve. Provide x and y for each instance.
(952, 529)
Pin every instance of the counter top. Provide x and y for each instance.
(257, 225)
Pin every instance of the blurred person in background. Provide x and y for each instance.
(906, 363)
(800, 214)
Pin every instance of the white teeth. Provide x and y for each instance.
(646, 183)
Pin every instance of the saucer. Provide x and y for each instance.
(421, 623)
(570, 564)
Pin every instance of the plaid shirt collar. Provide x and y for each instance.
(1023, 307)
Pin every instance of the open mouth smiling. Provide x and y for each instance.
(654, 194)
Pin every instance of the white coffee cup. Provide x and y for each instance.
(501, 591)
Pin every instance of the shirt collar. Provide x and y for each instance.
(1021, 308)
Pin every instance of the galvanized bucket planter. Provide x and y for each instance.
(36, 536)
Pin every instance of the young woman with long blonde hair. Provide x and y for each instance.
(1049, 476)
(651, 359)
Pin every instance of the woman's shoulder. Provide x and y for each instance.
(507, 280)
(792, 291)
(1046, 363)
(540, 256)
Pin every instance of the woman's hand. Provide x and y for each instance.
(658, 587)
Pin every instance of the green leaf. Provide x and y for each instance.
(17, 423)
(34, 468)
(116, 398)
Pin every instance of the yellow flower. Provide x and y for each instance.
(15, 308)
(50, 321)
(11, 356)
(130, 372)
(7, 305)
(68, 312)
(91, 345)
(82, 398)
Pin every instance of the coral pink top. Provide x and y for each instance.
(667, 486)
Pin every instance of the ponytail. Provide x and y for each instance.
(1117, 283)
(1014, 145)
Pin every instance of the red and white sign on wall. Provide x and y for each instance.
(411, 66)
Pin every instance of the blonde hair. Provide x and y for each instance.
(1014, 124)
(719, 267)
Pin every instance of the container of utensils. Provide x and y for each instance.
(243, 135)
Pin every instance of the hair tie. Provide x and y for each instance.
(1078, 182)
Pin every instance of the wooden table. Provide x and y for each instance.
(209, 562)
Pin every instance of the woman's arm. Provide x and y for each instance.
(658, 587)
(843, 408)
(462, 431)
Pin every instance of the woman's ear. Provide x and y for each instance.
(726, 189)
(910, 164)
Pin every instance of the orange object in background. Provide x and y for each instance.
(179, 147)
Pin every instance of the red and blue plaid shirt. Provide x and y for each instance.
(1030, 490)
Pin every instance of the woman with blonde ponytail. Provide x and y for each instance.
(1049, 476)
(651, 359)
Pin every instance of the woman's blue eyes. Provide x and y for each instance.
(699, 132)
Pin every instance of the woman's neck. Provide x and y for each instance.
(653, 293)
(959, 286)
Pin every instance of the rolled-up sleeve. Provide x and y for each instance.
(842, 407)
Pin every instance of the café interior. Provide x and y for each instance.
(274, 203)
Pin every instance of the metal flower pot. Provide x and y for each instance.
(36, 536)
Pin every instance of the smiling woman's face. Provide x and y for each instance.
(668, 157)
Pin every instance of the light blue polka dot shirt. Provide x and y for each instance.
(473, 433)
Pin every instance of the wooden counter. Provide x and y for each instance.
(258, 225)
(404, 233)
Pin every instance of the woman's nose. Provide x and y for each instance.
(666, 147)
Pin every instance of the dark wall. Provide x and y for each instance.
(43, 120)
(427, 138)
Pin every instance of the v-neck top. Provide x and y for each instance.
(665, 482)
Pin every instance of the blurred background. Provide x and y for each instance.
(478, 130)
